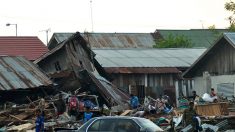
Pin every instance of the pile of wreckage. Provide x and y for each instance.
(215, 116)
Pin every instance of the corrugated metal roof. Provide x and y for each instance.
(178, 57)
(198, 37)
(230, 37)
(110, 40)
(19, 73)
(111, 93)
(30, 47)
(145, 70)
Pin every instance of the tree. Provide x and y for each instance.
(171, 41)
(230, 6)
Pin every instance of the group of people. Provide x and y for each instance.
(190, 116)
(71, 105)
(162, 104)
(74, 106)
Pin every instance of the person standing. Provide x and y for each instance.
(73, 107)
(42, 105)
(189, 115)
(39, 121)
(60, 105)
(134, 101)
(87, 114)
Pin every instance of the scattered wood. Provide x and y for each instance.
(31, 102)
(126, 112)
(16, 117)
(20, 127)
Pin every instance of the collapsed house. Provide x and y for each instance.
(134, 65)
(72, 66)
(21, 80)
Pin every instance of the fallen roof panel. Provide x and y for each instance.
(16, 72)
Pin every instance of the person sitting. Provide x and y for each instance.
(88, 103)
(152, 108)
(213, 94)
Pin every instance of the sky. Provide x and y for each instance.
(33, 17)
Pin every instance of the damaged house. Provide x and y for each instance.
(134, 65)
(72, 66)
(18, 76)
(21, 80)
(148, 72)
(215, 68)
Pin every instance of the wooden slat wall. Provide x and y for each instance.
(212, 109)
(219, 61)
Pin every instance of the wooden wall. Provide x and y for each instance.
(219, 61)
(156, 83)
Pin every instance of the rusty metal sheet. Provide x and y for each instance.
(16, 72)
(110, 40)
(144, 70)
(110, 93)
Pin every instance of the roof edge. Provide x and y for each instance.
(185, 74)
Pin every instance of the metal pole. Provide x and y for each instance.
(91, 16)
(16, 29)
(47, 35)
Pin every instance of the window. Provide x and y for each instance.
(107, 125)
(94, 127)
(57, 66)
(126, 125)
(84, 126)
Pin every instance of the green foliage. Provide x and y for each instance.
(174, 42)
(230, 6)
(216, 33)
(212, 27)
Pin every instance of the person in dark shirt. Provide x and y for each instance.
(39, 121)
(60, 105)
(189, 114)
(213, 92)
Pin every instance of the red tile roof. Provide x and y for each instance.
(30, 47)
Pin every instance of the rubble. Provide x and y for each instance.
(21, 117)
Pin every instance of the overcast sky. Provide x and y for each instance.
(33, 16)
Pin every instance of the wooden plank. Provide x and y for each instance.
(125, 112)
(209, 110)
(16, 117)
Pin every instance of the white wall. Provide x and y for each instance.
(201, 87)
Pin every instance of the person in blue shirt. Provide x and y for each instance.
(39, 121)
(134, 101)
(87, 114)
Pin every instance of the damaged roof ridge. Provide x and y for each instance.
(77, 35)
